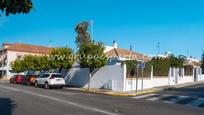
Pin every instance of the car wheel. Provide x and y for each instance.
(46, 86)
(36, 84)
(61, 87)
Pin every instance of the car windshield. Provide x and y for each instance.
(57, 76)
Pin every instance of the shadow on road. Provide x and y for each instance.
(6, 106)
(197, 90)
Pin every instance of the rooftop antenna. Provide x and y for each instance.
(158, 48)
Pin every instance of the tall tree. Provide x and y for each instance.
(91, 56)
(15, 6)
(82, 35)
(61, 58)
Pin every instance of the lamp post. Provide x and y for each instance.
(92, 29)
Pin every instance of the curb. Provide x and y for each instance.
(120, 94)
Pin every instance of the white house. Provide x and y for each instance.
(111, 76)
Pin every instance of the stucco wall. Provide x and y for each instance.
(157, 81)
(109, 76)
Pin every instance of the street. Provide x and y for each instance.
(27, 100)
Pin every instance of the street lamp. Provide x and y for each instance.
(92, 28)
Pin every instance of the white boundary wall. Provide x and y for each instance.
(111, 77)
(176, 76)
(155, 82)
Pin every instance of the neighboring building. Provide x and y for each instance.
(11, 52)
(162, 56)
(190, 64)
(115, 53)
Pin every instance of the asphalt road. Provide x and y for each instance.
(25, 100)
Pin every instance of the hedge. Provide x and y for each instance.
(160, 65)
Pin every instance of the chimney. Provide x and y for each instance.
(115, 45)
(6, 45)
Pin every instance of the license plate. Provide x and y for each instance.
(58, 79)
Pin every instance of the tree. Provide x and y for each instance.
(202, 62)
(29, 62)
(82, 34)
(41, 63)
(176, 62)
(61, 58)
(15, 6)
(91, 55)
(17, 66)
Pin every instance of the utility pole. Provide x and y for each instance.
(130, 52)
(187, 52)
(137, 77)
(92, 29)
(158, 48)
(50, 44)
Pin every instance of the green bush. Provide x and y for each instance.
(160, 65)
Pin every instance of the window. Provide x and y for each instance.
(44, 76)
(57, 76)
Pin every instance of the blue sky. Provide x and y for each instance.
(177, 24)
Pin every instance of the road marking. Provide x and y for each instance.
(196, 102)
(62, 101)
(144, 96)
(10, 88)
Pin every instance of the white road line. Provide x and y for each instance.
(144, 96)
(158, 97)
(174, 100)
(10, 88)
(62, 101)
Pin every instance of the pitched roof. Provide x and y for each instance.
(191, 63)
(126, 54)
(29, 48)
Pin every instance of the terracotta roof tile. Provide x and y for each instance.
(126, 54)
(29, 48)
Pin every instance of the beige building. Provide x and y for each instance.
(11, 52)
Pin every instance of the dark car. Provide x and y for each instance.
(29, 79)
(16, 79)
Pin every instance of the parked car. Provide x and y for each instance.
(16, 79)
(29, 79)
(49, 80)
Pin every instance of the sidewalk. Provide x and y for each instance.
(179, 85)
(113, 93)
(133, 93)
